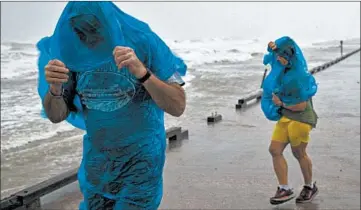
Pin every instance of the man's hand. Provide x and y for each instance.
(272, 45)
(276, 100)
(169, 97)
(126, 57)
(56, 75)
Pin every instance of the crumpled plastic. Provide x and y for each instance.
(124, 147)
(293, 87)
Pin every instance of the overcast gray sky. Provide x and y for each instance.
(24, 21)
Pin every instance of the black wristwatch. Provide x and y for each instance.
(145, 77)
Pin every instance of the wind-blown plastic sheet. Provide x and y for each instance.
(293, 87)
(123, 150)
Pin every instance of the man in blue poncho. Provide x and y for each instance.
(287, 98)
(108, 73)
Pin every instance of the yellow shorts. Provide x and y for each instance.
(290, 131)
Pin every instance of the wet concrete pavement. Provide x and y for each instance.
(227, 165)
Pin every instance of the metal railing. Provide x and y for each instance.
(242, 103)
(29, 198)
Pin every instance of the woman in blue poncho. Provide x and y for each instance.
(107, 73)
(287, 98)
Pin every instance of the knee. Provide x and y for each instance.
(275, 151)
(299, 154)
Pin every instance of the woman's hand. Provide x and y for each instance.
(282, 60)
(296, 108)
(276, 100)
(272, 45)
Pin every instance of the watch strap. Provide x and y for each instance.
(145, 77)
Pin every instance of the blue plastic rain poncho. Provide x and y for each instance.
(124, 148)
(292, 86)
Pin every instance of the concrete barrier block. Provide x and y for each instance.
(173, 133)
(184, 134)
(240, 106)
(176, 133)
(241, 101)
(214, 118)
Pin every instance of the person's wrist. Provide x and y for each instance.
(280, 103)
(141, 73)
(56, 90)
(145, 77)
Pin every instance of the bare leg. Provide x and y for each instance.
(305, 162)
(279, 163)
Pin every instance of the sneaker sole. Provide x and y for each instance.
(277, 202)
(310, 200)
